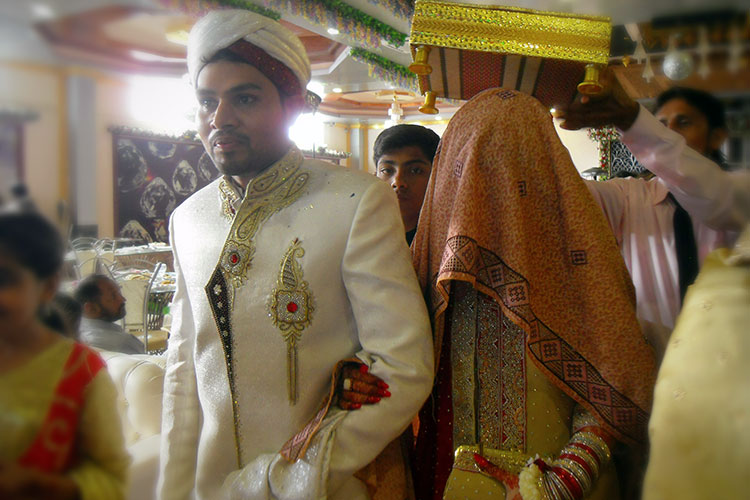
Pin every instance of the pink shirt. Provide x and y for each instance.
(640, 214)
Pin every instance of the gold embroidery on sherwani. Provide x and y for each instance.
(268, 193)
(290, 309)
(277, 188)
(229, 197)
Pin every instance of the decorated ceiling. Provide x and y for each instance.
(358, 47)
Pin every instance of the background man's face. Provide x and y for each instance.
(241, 119)
(111, 302)
(689, 122)
(407, 170)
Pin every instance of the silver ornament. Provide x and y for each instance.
(678, 65)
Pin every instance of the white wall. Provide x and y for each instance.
(583, 151)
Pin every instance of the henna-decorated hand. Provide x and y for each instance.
(508, 480)
(357, 387)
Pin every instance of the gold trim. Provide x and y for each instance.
(228, 197)
(508, 30)
(291, 308)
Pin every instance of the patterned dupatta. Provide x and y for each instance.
(54, 445)
(507, 212)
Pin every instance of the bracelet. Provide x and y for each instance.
(594, 442)
(569, 477)
(585, 454)
(581, 475)
(582, 459)
(571, 483)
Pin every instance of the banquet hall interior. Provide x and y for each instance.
(97, 126)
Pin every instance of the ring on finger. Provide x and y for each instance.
(347, 385)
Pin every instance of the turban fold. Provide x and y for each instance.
(262, 42)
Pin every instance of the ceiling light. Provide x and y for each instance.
(148, 57)
(179, 37)
(336, 90)
(316, 87)
(333, 31)
(42, 11)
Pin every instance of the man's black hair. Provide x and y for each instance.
(711, 107)
(88, 289)
(402, 136)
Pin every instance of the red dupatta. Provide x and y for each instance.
(52, 448)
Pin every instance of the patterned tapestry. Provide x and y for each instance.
(153, 175)
(622, 163)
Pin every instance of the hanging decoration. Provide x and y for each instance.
(385, 69)
(640, 53)
(735, 50)
(395, 112)
(648, 71)
(677, 64)
(362, 28)
(704, 49)
(604, 137)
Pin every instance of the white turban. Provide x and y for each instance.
(219, 29)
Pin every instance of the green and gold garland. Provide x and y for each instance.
(351, 22)
(203, 6)
(400, 8)
(385, 69)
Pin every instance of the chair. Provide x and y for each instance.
(93, 256)
(95, 264)
(139, 380)
(145, 303)
(83, 243)
(154, 303)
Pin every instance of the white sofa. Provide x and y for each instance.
(139, 379)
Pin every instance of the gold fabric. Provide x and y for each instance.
(511, 425)
(700, 444)
(510, 30)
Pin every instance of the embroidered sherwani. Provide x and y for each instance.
(272, 291)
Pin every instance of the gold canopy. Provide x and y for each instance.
(460, 50)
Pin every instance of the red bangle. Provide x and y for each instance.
(588, 450)
(580, 462)
(570, 481)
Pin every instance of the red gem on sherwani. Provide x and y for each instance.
(234, 258)
(292, 307)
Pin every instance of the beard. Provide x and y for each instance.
(112, 316)
(231, 164)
